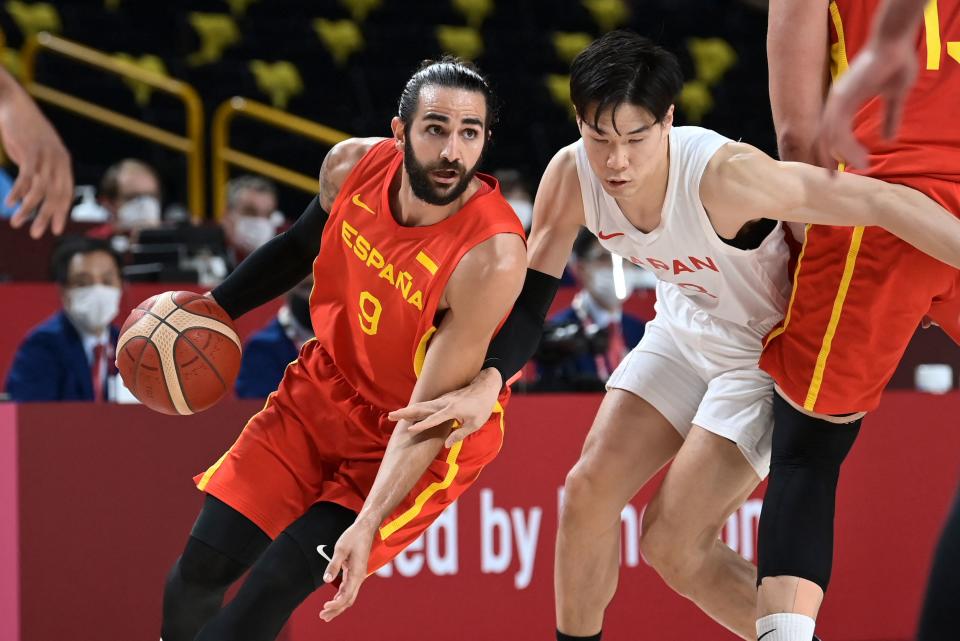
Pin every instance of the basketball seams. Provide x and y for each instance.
(190, 311)
(206, 360)
(161, 327)
(176, 371)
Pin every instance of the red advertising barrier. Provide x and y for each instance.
(104, 502)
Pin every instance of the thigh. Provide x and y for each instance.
(276, 468)
(629, 441)
(738, 406)
(658, 371)
(709, 478)
(229, 532)
(449, 475)
(859, 296)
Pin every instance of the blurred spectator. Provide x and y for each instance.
(130, 193)
(70, 356)
(6, 184)
(269, 351)
(584, 343)
(514, 189)
(251, 218)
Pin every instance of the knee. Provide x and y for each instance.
(203, 566)
(579, 493)
(669, 549)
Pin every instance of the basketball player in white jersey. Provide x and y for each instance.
(702, 213)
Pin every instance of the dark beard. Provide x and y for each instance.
(422, 185)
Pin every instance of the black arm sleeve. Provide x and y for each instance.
(275, 267)
(517, 340)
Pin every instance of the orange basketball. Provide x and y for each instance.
(178, 352)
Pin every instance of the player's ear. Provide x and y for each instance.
(399, 131)
(668, 118)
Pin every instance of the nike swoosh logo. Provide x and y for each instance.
(324, 554)
(603, 236)
(765, 634)
(362, 205)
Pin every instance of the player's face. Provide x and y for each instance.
(625, 152)
(445, 143)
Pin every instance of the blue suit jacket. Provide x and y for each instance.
(265, 357)
(50, 364)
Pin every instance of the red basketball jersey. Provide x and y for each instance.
(377, 283)
(928, 141)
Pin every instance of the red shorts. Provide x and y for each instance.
(859, 295)
(317, 440)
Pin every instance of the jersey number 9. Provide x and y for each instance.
(369, 315)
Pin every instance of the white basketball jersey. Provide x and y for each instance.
(697, 271)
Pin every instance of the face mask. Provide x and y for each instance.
(297, 328)
(92, 308)
(140, 212)
(601, 287)
(251, 232)
(524, 211)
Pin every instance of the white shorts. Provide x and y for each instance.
(707, 376)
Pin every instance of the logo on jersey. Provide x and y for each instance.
(677, 267)
(603, 236)
(401, 280)
(362, 205)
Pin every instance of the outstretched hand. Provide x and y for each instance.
(350, 556)
(888, 73)
(45, 177)
(468, 407)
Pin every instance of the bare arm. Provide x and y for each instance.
(480, 293)
(45, 176)
(742, 183)
(798, 44)
(557, 217)
(886, 67)
(337, 165)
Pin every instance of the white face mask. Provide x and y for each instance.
(92, 308)
(601, 287)
(524, 211)
(138, 213)
(251, 232)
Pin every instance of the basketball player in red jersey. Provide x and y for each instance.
(859, 294)
(419, 260)
(887, 67)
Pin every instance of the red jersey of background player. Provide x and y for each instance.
(928, 140)
(378, 284)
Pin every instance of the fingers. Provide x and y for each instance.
(346, 595)
(438, 418)
(335, 565)
(456, 436)
(892, 114)
(414, 411)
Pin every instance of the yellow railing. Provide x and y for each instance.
(222, 155)
(190, 144)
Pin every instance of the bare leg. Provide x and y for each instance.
(709, 479)
(628, 443)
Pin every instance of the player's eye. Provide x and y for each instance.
(470, 134)
(435, 130)
(635, 141)
(600, 141)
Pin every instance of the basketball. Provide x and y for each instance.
(178, 353)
